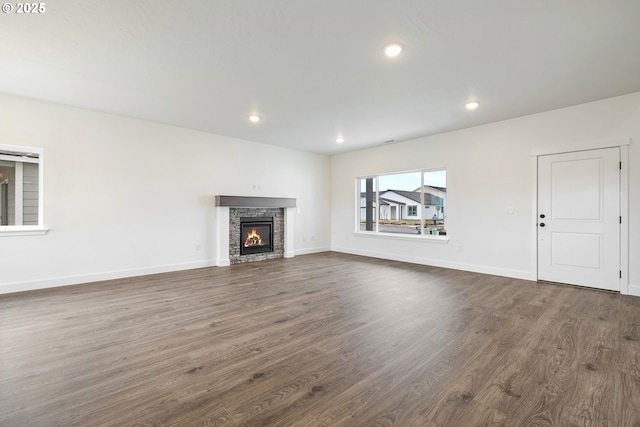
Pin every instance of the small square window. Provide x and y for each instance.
(20, 188)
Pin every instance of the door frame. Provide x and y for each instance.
(623, 144)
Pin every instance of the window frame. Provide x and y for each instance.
(375, 232)
(16, 151)
(359, 202)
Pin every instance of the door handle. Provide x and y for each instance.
(542, 224)
(541, 215)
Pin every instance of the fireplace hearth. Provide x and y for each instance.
(256, 235)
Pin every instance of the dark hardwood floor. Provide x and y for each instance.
(320, 340)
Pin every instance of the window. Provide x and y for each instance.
(20, 189)
(411, 203)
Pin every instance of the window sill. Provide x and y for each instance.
(424, 238)
(23, 231)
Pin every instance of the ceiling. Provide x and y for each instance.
(314, 70)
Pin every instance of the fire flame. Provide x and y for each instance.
(253, 239)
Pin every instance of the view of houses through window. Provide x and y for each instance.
(404, 203)
(19, 188)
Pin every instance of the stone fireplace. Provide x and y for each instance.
(255, 234)
(253, 229)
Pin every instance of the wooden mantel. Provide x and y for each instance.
(255, 202)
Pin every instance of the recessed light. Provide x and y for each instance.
(339, 139)
(393, 49)
(471, 105)
(254, 118)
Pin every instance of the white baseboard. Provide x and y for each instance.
(634, 290)
(120, 274)
(223, 262)
(312, 250)
(32, 285)
(496, 271)
(96, 277)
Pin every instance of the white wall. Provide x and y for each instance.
(488, 168)
(124, 197)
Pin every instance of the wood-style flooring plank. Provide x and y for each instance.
(319, 340)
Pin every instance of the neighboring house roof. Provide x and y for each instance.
(443, 189)
(415, 196)
(411, 195)
(390, 202)
(381, 200)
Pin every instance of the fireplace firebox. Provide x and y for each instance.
(256, 235)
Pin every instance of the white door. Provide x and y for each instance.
(579, 218)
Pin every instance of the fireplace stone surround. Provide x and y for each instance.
(236, 237)
(229, 210)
